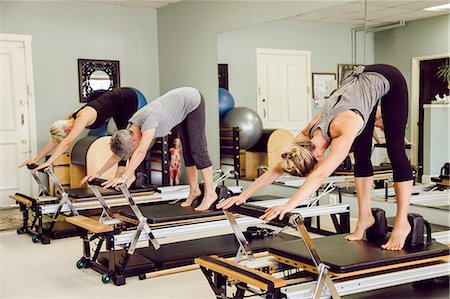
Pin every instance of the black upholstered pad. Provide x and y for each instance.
(79, 193)
(434, 227)
(348, 256)
(163, 213)
(376, 170)
(183, 253)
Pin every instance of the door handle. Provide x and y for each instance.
(264, 112)
(22, 119)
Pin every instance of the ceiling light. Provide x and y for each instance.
(443, 7)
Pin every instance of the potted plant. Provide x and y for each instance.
(444, 73)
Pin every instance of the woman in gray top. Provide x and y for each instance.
(183, 109)
(348, 118)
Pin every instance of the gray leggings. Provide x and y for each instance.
(193, 139)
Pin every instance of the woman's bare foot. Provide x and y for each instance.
(191, 197)
(207, 201)
(398, 236)
(363, 224)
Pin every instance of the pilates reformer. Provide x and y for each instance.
(81, 201)
(307, 266)
(70, 202)
(159, 221)
(37, 229)
(331, 184)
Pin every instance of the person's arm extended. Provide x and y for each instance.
(108, 164)
(120, 171)
(264, 180)
(51, 144)
(78, 127)
(340, 147)
(136, 159)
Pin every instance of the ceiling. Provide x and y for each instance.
(379, 12)
(338, 11)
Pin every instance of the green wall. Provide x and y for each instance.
(62, 32)
(187, 44)
(417, 38)
(329, 44)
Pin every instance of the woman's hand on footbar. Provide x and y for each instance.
(42, 166)
(120, 180)
(234, 200)
(273, 212)
(27, 162)
(89, 178)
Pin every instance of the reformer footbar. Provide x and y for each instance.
(43, 191)
(292, 220)
(36, 229)
(142, 225)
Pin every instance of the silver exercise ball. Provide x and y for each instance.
(248, 121)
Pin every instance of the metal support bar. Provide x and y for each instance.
(142, 220)
(106, 210)
(297, 221)
(244, 245)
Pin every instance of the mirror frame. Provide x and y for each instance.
(87, 66)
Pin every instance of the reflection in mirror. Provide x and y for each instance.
(99, 80)
(345, 33)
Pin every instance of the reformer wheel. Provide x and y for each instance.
(35, 239)
(81, 264)
(106, 278)
(20, 231)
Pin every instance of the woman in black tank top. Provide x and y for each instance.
(119, 104)
(338, 130)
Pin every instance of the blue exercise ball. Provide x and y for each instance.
(249, 123)
(226, 102)
(141, 98)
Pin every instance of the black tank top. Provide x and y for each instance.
(119, 103)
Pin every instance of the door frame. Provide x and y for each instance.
(415, 95)
(31, 102)
(260, 51)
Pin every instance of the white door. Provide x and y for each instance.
(15, 135)
(284, 88)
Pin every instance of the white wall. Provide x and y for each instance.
(62, 32)
(329, 44)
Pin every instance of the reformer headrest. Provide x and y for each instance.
(257, 211)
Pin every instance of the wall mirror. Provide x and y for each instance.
(94, 74)
(339, 37)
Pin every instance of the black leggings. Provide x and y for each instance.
(394, 109)
(193, 139)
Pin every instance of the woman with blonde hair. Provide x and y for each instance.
(119, 104)
(348, 118)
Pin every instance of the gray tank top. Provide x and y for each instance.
(359, 92)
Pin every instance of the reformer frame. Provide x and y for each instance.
(143, 232)
(220, 273)
(113, 237)
(27, 205)
(294, 220)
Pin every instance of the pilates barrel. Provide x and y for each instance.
(267, 151)
(87, 156)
